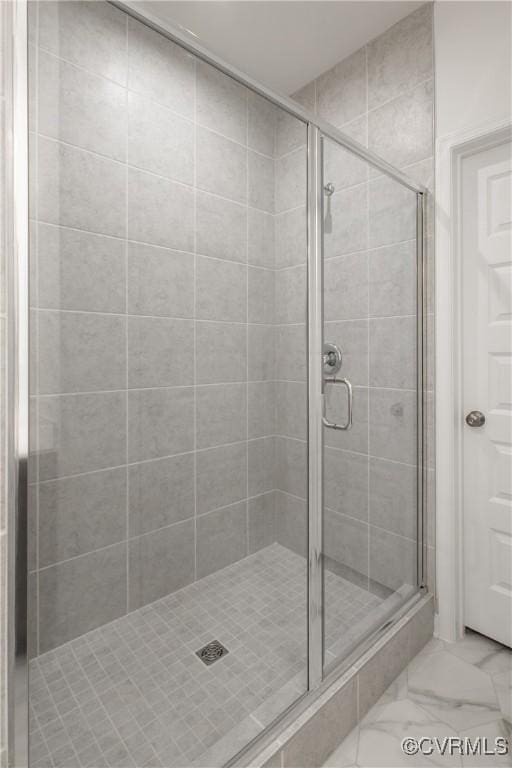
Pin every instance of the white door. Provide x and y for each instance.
(486, 225)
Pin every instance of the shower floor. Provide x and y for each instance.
(134, 693)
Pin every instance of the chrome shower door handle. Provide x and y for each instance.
(332, 424)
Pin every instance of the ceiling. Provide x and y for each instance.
(281, 43)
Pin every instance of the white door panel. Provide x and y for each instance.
(487, 387)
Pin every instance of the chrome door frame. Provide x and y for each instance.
(17, 267)
(18, 358)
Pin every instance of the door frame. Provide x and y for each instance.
(451, 151)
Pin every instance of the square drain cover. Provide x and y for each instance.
(212, 652)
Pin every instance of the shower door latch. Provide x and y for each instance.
(348, 386)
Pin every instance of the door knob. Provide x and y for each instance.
(475, 419)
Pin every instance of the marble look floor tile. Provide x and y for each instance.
(482, 652)
(490, 731)
(447, 690)
(503, 686)
(454, 691)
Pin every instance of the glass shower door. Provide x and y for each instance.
(371, 318)
(168, 493)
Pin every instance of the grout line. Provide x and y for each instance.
(143, 534)
(172, 387)
(190, 318)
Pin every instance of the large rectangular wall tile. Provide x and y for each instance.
(221, 227)
(393, 424)
(160, 282)
(343, 168)
(261, 341)
(291, 133)
(341, 91)
(260, 171)
(393, 352)
(393, 559)
(392, 212)
(261, 521)
(80, 108)
(291, 352)
(291, 409)
(393, 497)
(355, 439)
(351, 337)
(290, 171)
(220, 352)
(261, 295)
(160, 352)
(81, 514)
(346, 224)
(291, 295)
(160, 211)
(221, 290)
(161, 493)
(92, 35)
(81, 433)
(393, 279)
(322, 733)
(421, 628)
(81, 594)
(221, 476)
(160, 422)
(291, 238)
(401, 131)
(261, 417)
(291, 524)
(401, 57)
(81, 190)
(346, 541)
(291, 466)
(160, 141)
(221, 414)
(261, 127)
(261, 238)
(346, 287)
(221, 538)
(80, 352)
(221, 166)
(261, 465)
(161, 70)
(79, 270)
(380, 671)
(221, 103)
(346, 482)
(160, 562)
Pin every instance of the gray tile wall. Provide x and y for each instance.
(382, 96)
(154, 312)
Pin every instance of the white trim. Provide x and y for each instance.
(450, 151)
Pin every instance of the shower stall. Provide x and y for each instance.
(225, 473)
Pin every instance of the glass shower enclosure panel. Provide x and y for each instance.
(372, 316)
(168, 470)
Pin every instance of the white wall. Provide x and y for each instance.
(473, 64)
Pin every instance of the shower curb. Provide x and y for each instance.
(318, 730)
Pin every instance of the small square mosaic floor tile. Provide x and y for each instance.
(134, 692)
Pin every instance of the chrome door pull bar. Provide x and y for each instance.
(332, 424)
